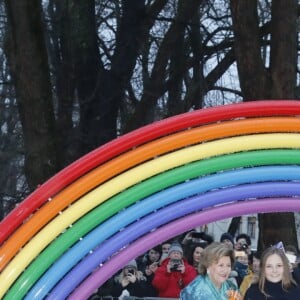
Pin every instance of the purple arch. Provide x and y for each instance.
(177, 227)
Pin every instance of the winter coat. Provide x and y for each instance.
(275, 291)
(169, 284)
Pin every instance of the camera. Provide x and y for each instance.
(244, 246)
(175, 264)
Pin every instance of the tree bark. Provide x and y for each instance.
(156, 85)
(60, 50)
(28, 63)
(101, 91)
(277, 81)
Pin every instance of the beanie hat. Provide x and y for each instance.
(131, 264)
(175, 247)
(227, 236)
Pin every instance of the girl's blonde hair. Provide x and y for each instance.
(212, 254)
(287, 279)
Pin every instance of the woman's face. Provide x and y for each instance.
(255, 265)
(274, 268)
(154, 255)
(219, 271)
(197, 254)
(165, 248)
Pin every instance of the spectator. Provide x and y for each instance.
(241, 265)
(194, 252)
(254, 263)
(174, 273)
(132, 280)
(214, 269)
(165, 247)
(148, 264)
(227, 238)
(292, 255)
(243, 242)
(275, 279)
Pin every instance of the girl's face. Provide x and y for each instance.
(274, 268)
(219, 272)
(197, 254)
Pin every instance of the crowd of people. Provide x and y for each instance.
(197, 267)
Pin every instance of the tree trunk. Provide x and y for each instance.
(156, 85)
(101, 91)
(60, 55)
(260, 82)
(28, 63)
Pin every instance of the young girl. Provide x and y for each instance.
(275, 278)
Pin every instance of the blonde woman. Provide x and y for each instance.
(212, 282)
(275, 278)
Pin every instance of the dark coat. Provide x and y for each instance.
(275, 290)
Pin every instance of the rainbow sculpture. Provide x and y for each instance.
(85, 223)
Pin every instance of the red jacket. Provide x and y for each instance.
(170, 284)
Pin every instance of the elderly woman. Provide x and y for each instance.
(275, 279)
(214, 269)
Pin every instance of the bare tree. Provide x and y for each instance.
(29, 67)
(276, 80)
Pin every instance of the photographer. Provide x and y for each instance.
(132, 280)
(173, 274)
(243, 243)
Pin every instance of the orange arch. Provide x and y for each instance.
(132, 158)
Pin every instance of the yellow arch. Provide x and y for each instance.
(131, 177)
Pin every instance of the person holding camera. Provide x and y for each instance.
(243, 243)
(132, 280)
(174, 273)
